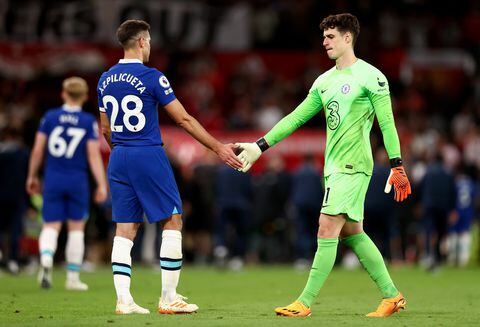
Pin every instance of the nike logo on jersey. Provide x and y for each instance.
(323, 91)
(381, 84)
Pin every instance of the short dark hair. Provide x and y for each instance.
(130, 29)
(344, 23)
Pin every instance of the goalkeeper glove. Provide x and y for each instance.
(399, 180)
(251, 152)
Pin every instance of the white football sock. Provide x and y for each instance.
(74, 253)
(464, 246)
(171, 263)
(452, 248)
(122, 268)
(47, 243)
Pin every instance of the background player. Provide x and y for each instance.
(352, 93)
(70, 137)
(139, 173)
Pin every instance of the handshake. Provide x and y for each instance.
(250, 153)
(398, 180)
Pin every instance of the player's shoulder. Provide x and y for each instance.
(323, 77)
(370, 76)
(52, 112)
(158, 78)
(367, 69)
(153, 72)
(87, 115)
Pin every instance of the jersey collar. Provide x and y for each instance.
(68, 108)
(130, 61)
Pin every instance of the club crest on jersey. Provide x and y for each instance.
(164, 82)
(345, 88)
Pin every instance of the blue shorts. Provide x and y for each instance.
(142, 182)
(463, 224)
(65, 196)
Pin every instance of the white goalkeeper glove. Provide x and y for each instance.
(251, 152)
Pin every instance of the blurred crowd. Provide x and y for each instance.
(431, 61)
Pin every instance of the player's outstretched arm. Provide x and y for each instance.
(36, 159)
(304, 111)
(106, 130)
(224, 151)
(98, 170)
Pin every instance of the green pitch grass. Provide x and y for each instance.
(247, 298)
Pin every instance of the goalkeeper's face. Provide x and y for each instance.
(335, 42)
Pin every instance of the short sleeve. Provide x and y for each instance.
(162, 89)
(101, 108)
(92, 129)
(45, 125)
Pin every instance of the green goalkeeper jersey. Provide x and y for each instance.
(351, 98)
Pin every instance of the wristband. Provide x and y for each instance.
(262, 144)
(396, 162)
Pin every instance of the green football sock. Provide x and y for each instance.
(321, 267)
(371, 259)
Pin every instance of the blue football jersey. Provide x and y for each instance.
(129, 93)
(466, 193)
(68, 130)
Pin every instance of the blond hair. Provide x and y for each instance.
(75, 87)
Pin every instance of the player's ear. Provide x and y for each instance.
(143, 41)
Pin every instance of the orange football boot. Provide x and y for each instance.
(296, 309)
(389, 306)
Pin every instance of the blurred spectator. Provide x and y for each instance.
(271, 237)
(233, 198)
(438, 198)
(13, 197)
(459, 236)
(269, 113)
(306, 197)
(472, 148)
(199, 208)
(380, 221)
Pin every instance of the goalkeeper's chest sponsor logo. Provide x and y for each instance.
(333, 118)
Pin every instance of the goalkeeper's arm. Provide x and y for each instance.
(304, 112)
(398, 177)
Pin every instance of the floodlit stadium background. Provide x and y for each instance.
(238, 67)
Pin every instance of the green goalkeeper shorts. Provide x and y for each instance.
(345, 194)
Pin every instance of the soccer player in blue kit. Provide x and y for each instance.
(139, 173)
(70, 137)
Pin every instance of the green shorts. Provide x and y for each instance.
(345, 194)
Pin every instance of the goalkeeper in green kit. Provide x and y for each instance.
(352, 93)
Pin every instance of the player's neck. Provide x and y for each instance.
(72, 104)
(345, 60)
(131, 54)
